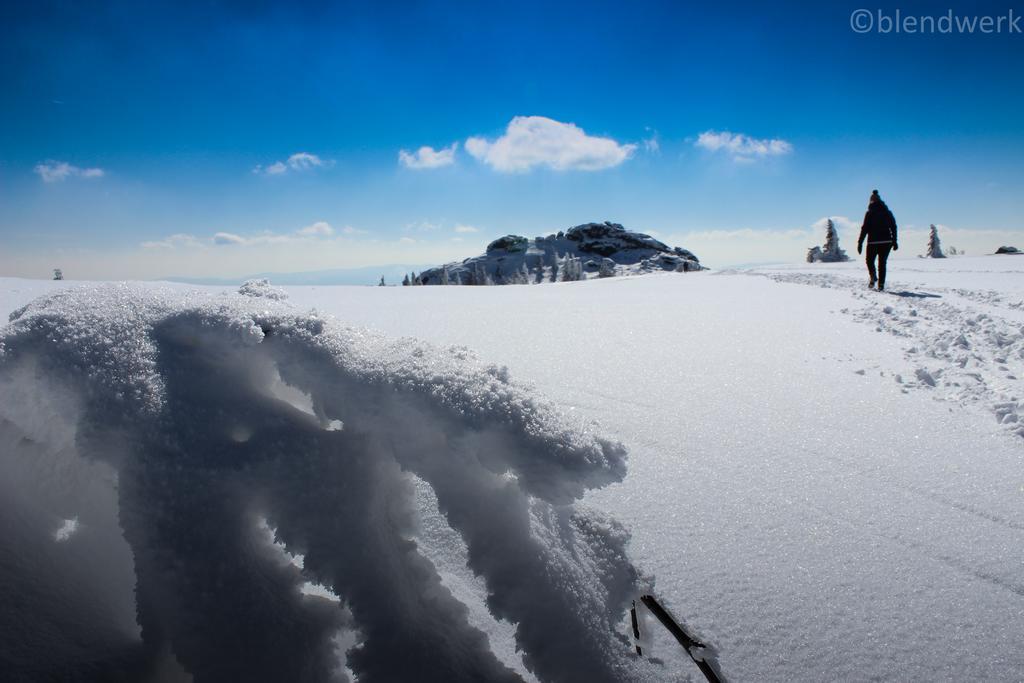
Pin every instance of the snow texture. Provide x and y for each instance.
(586, 251)
(214, 418)
(965, 343)
(808, 522)
(813, 509)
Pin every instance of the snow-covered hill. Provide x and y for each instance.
(585, 251)
(823, 482)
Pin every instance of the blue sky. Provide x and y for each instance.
(151, 139)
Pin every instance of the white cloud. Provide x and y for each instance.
(303, 160)
(176, 240)
(54, 171)
(228, 238)
(318, 229)
(422, 226)
(407, 240)
(300, 161)
(466, 228)
(531, 141)
(742, 148)
(842, 223)
(651, 144)
(427, 157)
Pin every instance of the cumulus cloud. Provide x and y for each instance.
(176, 240)
(466, 228)
(54, 171)
(300, 161)
(422, 226)
(742, 147)
(427, 157)
(318, 229)
(228, 238)
(531, 141)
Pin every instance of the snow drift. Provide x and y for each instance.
(582, 252)
(180, 427)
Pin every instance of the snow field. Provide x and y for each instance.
(802, 498)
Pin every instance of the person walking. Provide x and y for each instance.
(880, 231)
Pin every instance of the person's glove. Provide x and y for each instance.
(895, 247)
(860, 247)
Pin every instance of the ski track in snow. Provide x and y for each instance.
(958, 352)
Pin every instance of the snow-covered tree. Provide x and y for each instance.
(405, 280)
(382, 283)
(934, 246)
(607, 268)
(58, 274)
(444, 275)
(830, 252)
(572, 269)
(480, 276)
(552, 257)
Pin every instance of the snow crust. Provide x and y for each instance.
(220, 416)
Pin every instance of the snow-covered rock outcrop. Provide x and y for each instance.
(586, 251)
(237, 431)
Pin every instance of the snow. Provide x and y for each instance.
(67, 529)
(798, 492)
(181, 394)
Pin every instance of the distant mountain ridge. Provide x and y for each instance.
(585, 251)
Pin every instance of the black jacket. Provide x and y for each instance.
(879, 225)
